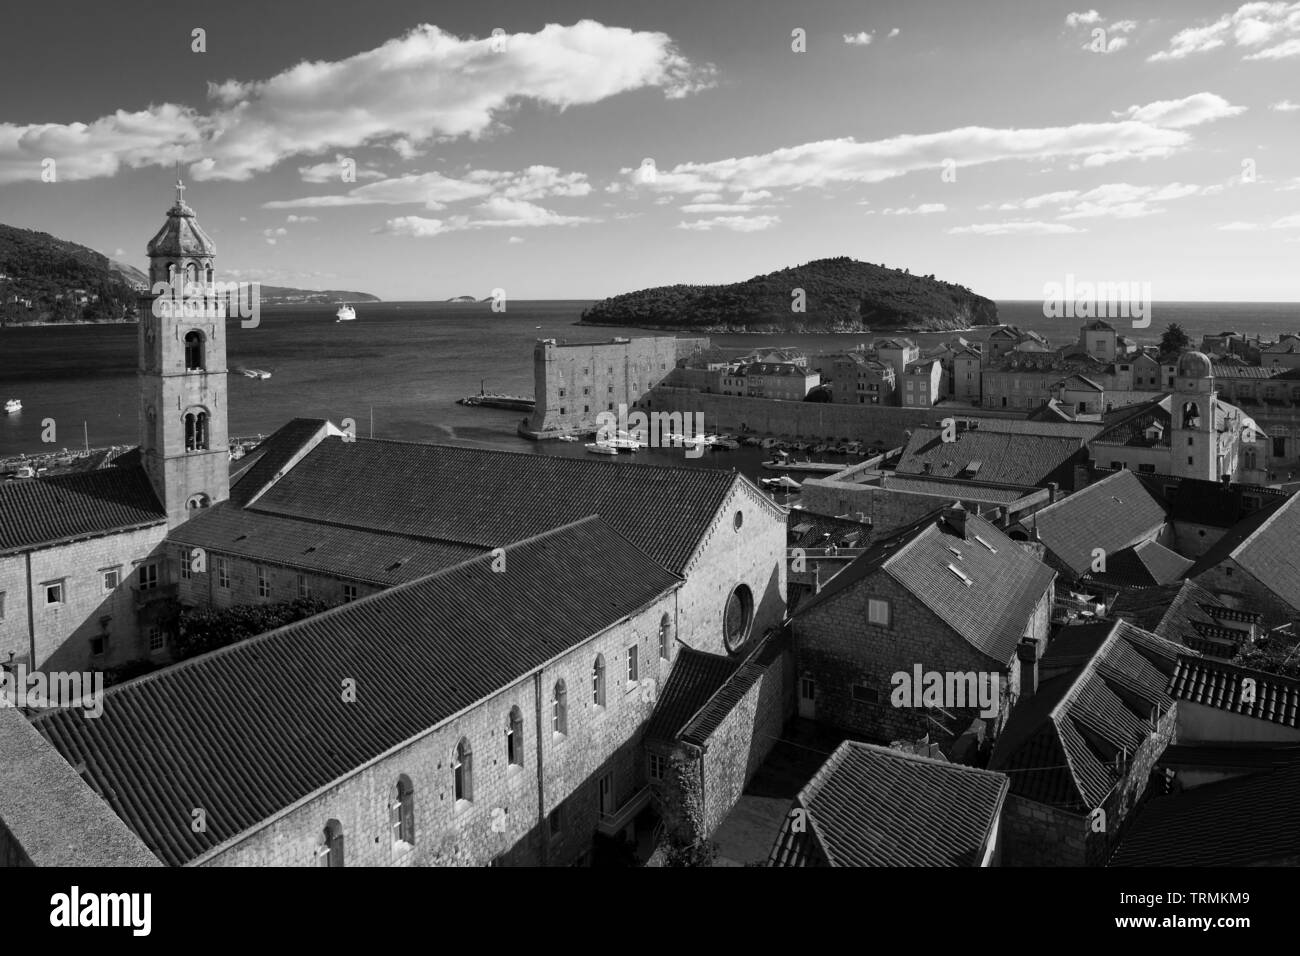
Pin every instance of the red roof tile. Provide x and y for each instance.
(44, 510)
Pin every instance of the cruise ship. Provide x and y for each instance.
(12, 406)
(345, 313)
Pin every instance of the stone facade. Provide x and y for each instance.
(576, 383)
(1238, 588)
(506, 819)
(65, 635)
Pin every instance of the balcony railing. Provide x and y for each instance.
(611, 824)
(159, 592)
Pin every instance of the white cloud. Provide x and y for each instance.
(496, 212)
(118, 253)
(280, 231)
(1286, 222)
(1015, 228)
(893, 33)
(1179, 114)
(514, 240)
(696, 208)
(1085, 18)
(1159, 129)
(733, 223)
(1123, 26)
(858, 39)
(435, 190)
(292, 218)
(1112, 200)
(925, 209)
(333, 172)
(1262, 30)
(406, 93)
(1285, 106)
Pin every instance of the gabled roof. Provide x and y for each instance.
(1205, 502)
(1219, 684)
(257, 469)
(1006, 582)
(1111, 514)
(1019, 459)
(721, 702)
(248, 730)
(348, 553)
(1082, 382)
(1244, 821)
(488, 498)
(1144, 565)
(1186, 613)
(39, 511)
(873, 806)
(696, 676)
(1263, 544)
(1060, 744)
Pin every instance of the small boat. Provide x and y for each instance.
(345, 313)
(821, 449)
(13, 406)
(768, 443)
(568, 438)
(783, 483)
(728, 444)
(601, 448)
(253, 372)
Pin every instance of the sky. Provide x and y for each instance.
(555, 149)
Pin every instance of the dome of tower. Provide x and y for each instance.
(1194, 365)
(181, 235)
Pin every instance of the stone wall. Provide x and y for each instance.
(62, 633)
(506, 818)
(1240, 589)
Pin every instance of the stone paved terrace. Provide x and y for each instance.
(747, 833)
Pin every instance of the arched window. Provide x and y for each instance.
(1191, 415)
(462, 771)
(402, 811)
(207, 273)
(330, 851)
(598, 681)
(560, 709)
(197, 501)
(515, 738)
(665, 636)
(196, 431)
(193, 350)
(191, 273)
(738, 617)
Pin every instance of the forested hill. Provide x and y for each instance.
(839, 294)
(44, 279)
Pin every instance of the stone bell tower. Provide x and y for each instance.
(184, 445)
(1193, 438)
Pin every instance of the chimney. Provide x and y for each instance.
(1053, 489)
(955, 515)
(1027, 651)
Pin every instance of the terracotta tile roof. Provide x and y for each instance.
(709, 717)
(1186, 613)
(1007, 458)
(489, 498)
(259, 467)
(873, 806)
(1060, 745)
(695, 677)
(1144, 565)
(246, 731)
(1111, 514)
(991, 613)
(1245, 821)
(1264, 545)
(1218, 684)
(346, 553)
(38, 511)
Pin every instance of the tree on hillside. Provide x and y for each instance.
(1174, 339)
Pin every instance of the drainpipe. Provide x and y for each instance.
(31, 614)
(543, 836)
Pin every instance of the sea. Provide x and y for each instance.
(403, 365)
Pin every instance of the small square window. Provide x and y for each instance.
(878, 612)
(148, 576)
(658, 766)
(54, 593)
(223, 573)
(187, 570)
(112, 576)
(97, 645)
(156, 639)
(349, 593)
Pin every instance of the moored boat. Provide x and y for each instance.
(601, 448)
(13, 406)
(345, 313)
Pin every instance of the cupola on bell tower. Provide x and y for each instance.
(184, 445)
